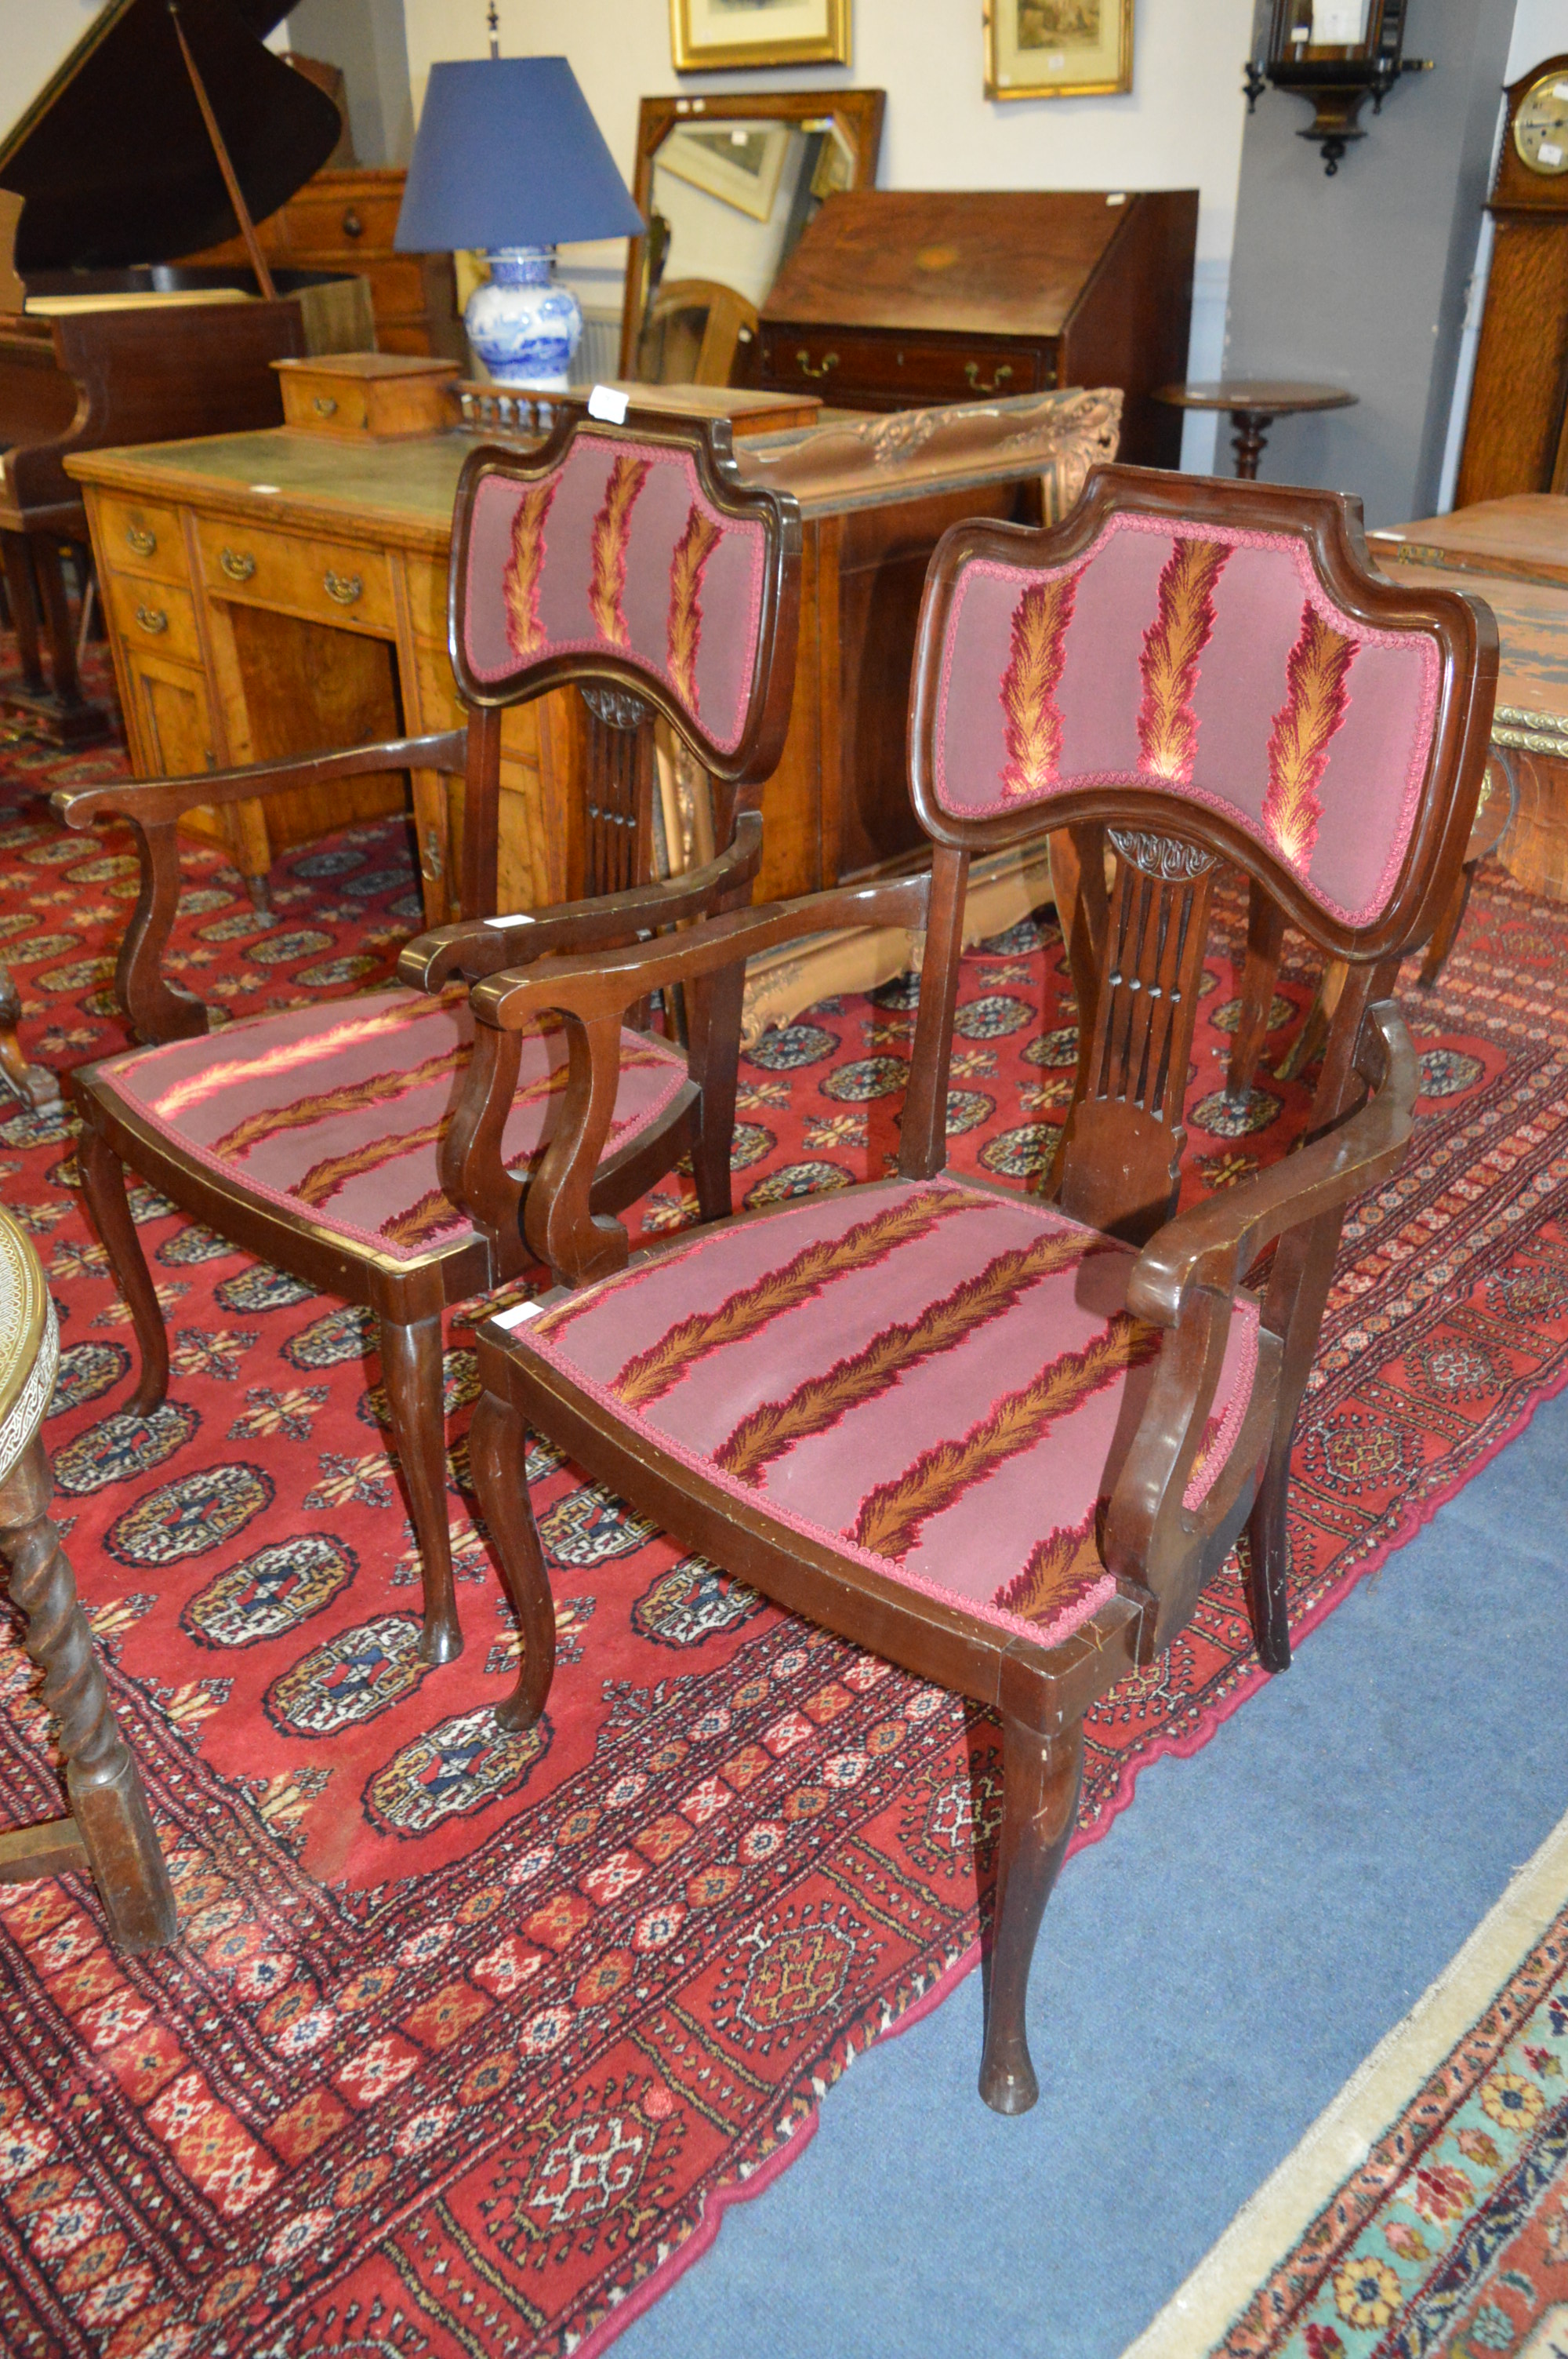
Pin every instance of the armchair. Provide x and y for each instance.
(638, 567)
(1005, 1441)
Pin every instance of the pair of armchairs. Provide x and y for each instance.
(1000, 1440)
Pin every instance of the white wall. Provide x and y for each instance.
(1181, 124)
(34, 35)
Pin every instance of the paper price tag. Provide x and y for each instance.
(517, 1314)
(1549, 152)
(606, 403)
(522, 918)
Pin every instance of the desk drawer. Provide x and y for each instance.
(339, 224)
(328, 581)
(841, 366)
(138, 537)
(156, 616)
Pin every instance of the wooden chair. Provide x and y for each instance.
(1004, 1442)
(638, 566)
(694, 332)
(109, 1830)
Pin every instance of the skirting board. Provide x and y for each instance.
(1002, 889)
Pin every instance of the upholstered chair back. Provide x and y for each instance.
(1246, 665)
(632, 559)
(1184, 673)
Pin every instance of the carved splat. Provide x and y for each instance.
(1122, 1152)
(619, 778)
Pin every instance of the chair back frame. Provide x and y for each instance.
(623, 691)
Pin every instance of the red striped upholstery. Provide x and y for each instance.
(1208, 661)
(939, 1380)
(337, 1112)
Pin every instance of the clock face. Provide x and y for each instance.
(1541, 126)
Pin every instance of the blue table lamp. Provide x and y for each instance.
(509, 159)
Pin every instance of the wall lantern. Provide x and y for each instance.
(1337, 54)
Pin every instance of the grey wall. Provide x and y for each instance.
(1359, 280)
(368, 39)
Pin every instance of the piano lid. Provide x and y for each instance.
(112, 156)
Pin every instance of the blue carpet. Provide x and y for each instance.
(1207, 1977)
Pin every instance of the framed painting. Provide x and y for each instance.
(1058, 48)
(707, 34)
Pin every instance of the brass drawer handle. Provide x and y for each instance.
(240, 568)
(324, 405)
(344, 587)
(353, 225)
(143, 542)
(152, 619)
(972, 371)
(808, 368)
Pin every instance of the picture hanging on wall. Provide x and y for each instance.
(707, 34)
(1058, 48)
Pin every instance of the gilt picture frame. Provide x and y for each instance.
(1058, 48)
(708, 34)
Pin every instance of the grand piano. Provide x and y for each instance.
(168, 128)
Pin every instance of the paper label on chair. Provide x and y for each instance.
(521, 918)
(606, 403)
(516, 1315)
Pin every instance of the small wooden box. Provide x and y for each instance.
(384, 394)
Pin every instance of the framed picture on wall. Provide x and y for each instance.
(1058, 48)
(707, 34)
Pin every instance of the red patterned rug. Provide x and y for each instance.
(467, 2038)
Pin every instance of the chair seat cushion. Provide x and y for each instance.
(939, 1381)
(337, 1112)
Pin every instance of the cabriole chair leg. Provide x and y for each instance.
(497, 1449)
(411, 1368)
(103, 1184)
(1041, 1778)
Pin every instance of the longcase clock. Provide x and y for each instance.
(1516, 437)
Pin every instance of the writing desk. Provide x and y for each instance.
(280, 592)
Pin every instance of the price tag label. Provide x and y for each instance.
(1549, 153)
(606, 403)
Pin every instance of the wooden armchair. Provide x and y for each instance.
(1001, 1441)
(638, 566)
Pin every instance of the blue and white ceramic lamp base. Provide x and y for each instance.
(524, 327)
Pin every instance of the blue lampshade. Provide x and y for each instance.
(509, 154)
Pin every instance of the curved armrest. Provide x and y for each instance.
(592, 994)
(608, 982)
(158, 1010)
(152, 800)
(484, 946)
(1213, 1244)
(1185, 1280)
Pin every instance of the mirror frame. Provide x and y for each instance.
(859, 113)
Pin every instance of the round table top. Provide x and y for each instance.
(1261, 397)
(29, 1343)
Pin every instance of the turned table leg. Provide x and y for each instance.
(1251, 432)
(33, 1084)
(110, 1822)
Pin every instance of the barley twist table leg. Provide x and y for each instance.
(105, 1785)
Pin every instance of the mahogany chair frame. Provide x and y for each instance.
(1118, 1172)
(624, 902)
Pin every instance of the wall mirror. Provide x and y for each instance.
(727, 186)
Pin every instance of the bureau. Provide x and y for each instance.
(892, 299)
